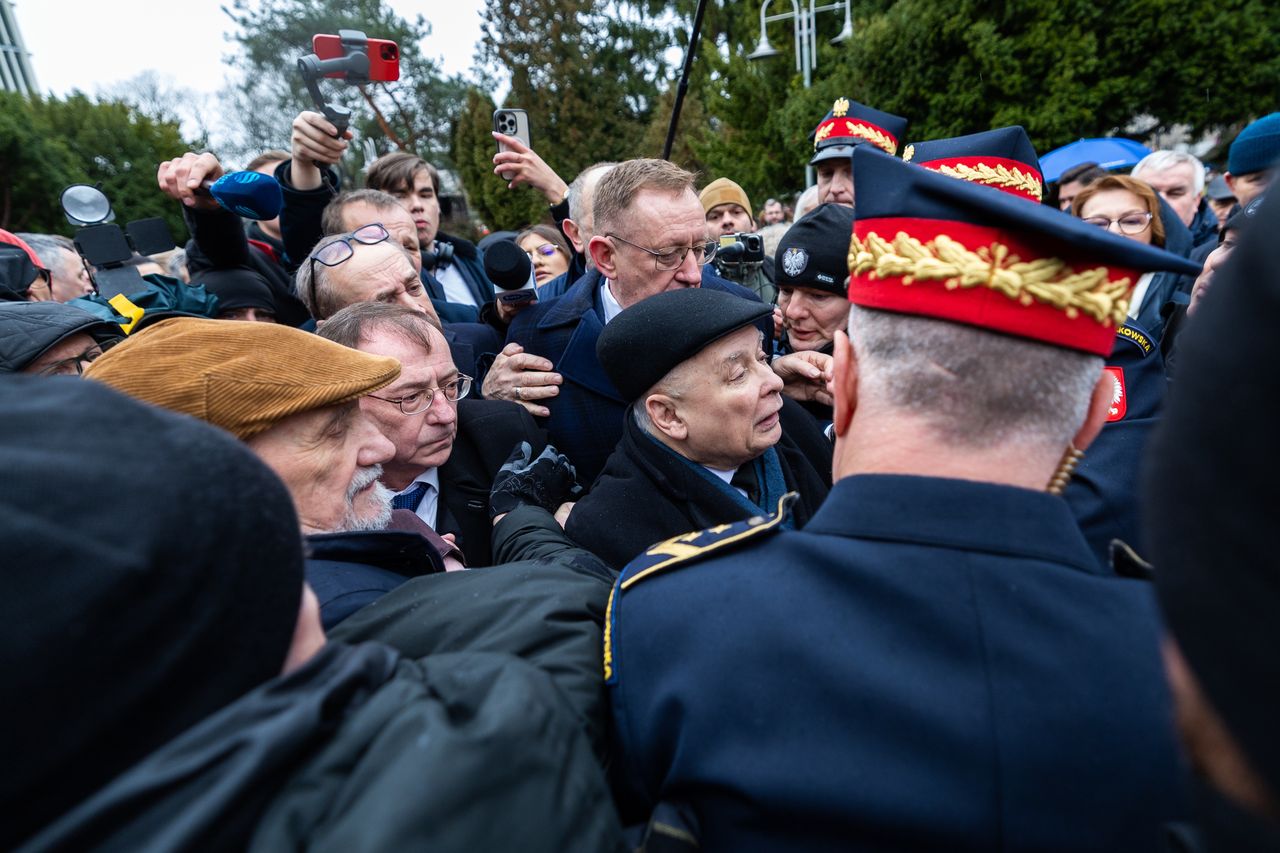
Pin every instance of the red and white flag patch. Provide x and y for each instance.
(1119, 396)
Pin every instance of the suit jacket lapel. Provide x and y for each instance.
(579, 362)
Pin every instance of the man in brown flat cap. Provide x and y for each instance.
(293, 398)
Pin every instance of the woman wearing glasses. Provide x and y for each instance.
(548, 251)
(1129, 207)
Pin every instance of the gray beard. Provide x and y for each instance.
(381, 496)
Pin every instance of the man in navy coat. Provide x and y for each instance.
(936, 661)
(650, 237)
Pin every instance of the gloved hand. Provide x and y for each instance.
(547, 481)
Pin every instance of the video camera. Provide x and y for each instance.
(741, 248)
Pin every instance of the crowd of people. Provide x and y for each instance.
(928, 514)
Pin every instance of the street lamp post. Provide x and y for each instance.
(805, 33)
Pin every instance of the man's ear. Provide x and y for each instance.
(572, 231)
(1099, 409)
(844, 383)
(604, 256)
(1230, 180)
(665, 417)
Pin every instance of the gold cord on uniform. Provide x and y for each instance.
(1070, 459)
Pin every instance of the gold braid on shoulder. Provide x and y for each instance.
(998, 176)
(1046, 280)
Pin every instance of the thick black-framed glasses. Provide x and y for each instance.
(671, 258)
(420, 401)
(336, 251)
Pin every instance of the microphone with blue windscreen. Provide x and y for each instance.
(248, 194)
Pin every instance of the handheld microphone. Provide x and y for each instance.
(511, 271)
(248, 194)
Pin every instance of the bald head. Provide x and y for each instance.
(580, 226)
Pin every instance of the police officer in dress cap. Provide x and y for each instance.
(936, 661)
(708, 438)
(846, 126)
(1003, 158)
(1101, 493)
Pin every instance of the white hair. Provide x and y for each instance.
(808, 201)
(974, 388)
(1158, 161)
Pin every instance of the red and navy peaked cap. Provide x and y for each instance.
(850, 123)
(1003, 158)
(930, 245)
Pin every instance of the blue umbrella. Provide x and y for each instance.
(1110, 152)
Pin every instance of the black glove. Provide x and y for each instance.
(547, 481)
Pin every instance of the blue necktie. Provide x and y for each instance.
(410, 499)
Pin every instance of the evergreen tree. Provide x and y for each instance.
(1064, 69)
(586, 71)
(414, 114)
(47, 144)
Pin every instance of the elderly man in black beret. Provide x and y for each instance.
(708, 439)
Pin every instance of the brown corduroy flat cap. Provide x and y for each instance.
(241, 376)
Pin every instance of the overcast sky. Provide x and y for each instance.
(86, 44)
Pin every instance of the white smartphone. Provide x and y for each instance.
(511, 123)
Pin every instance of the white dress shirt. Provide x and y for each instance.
(430, 503)
(1139, 293)
(611, 307)
(455, 286)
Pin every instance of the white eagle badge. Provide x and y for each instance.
(794, 260)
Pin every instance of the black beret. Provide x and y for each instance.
(645, 342)
(815, 251)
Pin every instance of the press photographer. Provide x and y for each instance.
(741, 258)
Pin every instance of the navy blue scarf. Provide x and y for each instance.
(772, 484)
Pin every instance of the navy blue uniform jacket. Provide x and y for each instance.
(929, 664)
(1103, 493)
(586, 416)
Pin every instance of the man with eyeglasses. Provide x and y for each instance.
(447, 449)
(51, 339)
(369, 265)
(649, 237)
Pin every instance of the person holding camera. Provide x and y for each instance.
(741, 257)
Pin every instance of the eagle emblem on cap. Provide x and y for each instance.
(909, 153)
(794, 260)
(840, 107)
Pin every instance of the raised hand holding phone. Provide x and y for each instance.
(517, 163)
